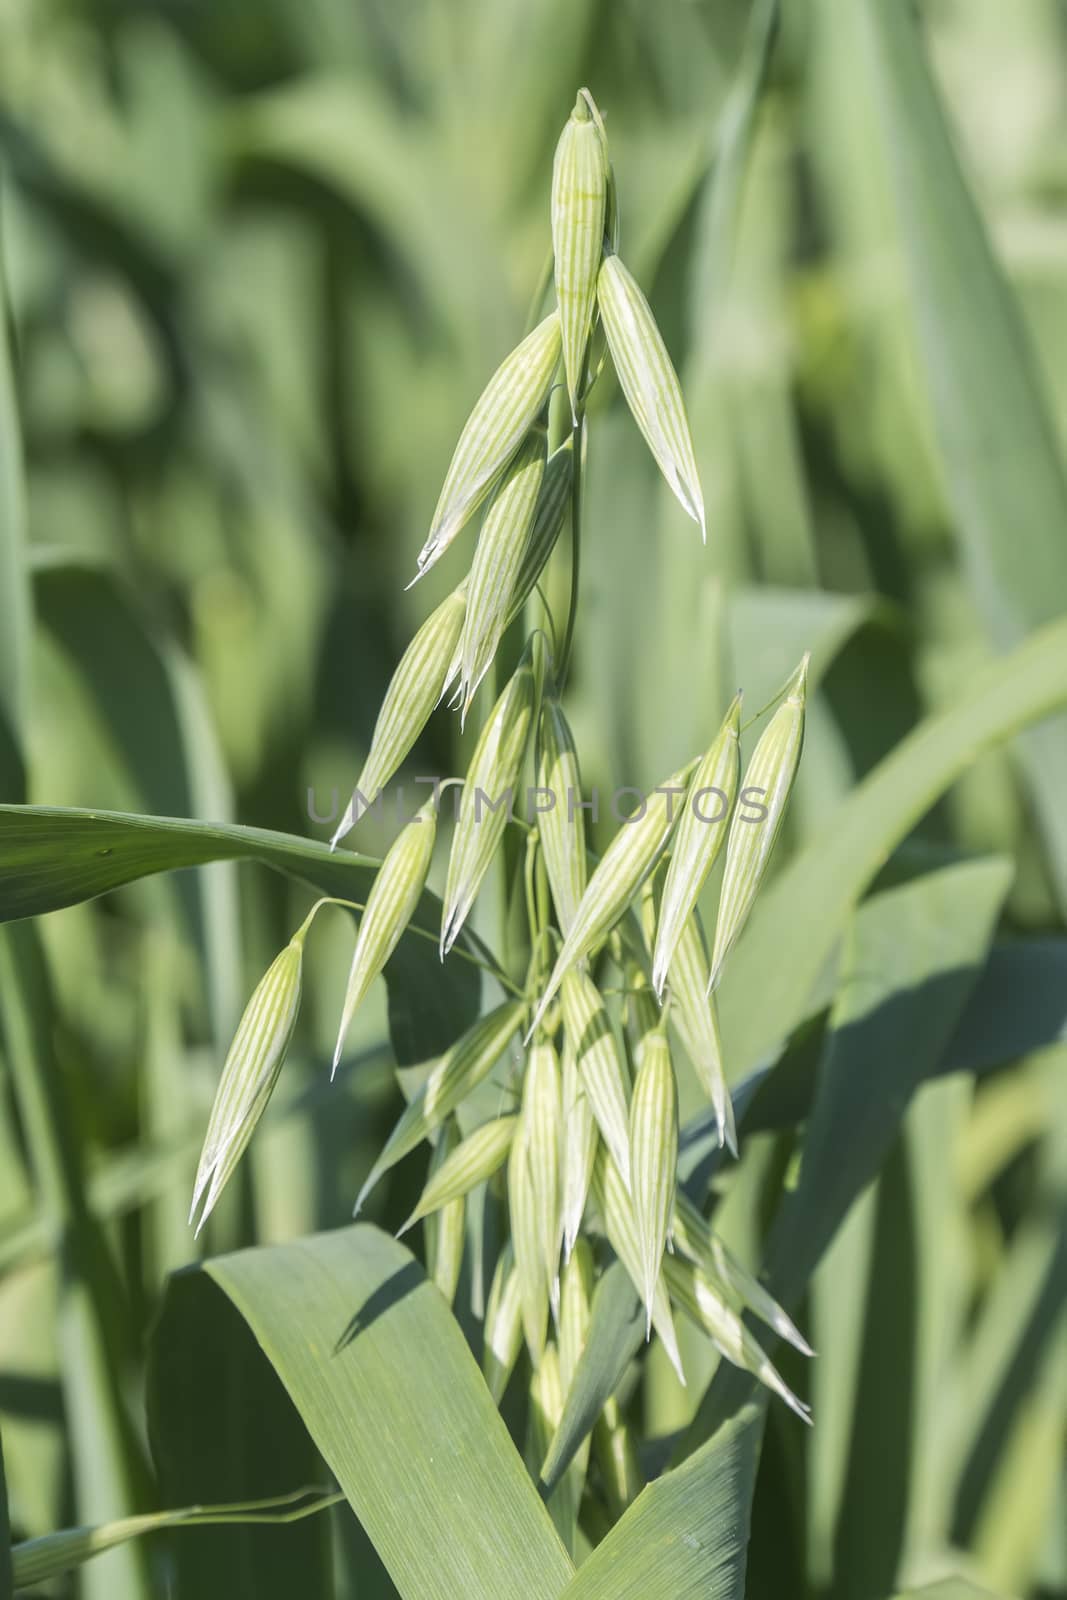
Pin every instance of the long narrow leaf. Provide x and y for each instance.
(1003, 471)
(51, 858)
(383, 1379)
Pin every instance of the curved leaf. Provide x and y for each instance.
(382, 1377)
(52, 857)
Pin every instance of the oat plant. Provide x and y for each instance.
(576, 1147)
(520, 1125)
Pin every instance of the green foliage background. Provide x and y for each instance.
(259, 260)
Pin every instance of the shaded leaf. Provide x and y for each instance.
(7, 1581)
(1003, 472)
(15, 612)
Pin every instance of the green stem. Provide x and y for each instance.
(533, 316)
(487, 962)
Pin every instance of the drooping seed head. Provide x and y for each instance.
(492, 433)
(415, 689)
(601, 1072)
(470, 1163)
(699, 1299)
(579, 198)
(249, 1074)
(489, 790)
(498, 556)
(561, 824)
(622, 869)
(617, 1212)
(462, 1068)
(698, 838)
(391, 903)
(653, 1157)
(767, 785)
(649, 382)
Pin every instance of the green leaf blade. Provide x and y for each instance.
(392, 1398)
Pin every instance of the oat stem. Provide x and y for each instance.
(544, 279)
(487, 961)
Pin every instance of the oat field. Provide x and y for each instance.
(533, 799)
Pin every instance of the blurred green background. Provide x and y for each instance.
(260, 260)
